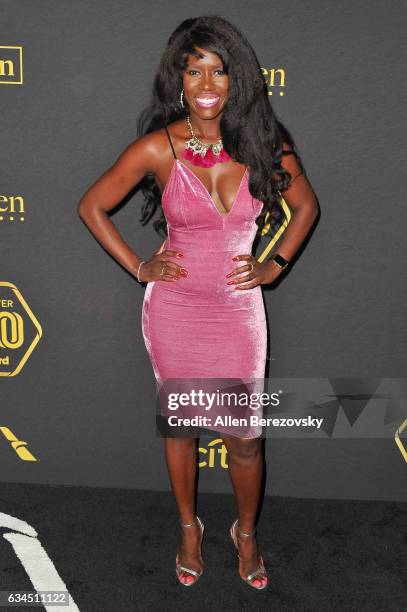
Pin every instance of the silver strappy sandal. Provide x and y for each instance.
(260, 572)
(180, 568)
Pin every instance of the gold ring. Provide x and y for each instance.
(252, 267)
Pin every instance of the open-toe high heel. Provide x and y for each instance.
(260, 572)
(181, 568)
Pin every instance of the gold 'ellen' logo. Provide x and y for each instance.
(13, 206)
(11, 65)
(275, 79)
(20, 331)
(211, 454)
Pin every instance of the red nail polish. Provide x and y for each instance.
(180, 255)
(230, 282)
(234, 258)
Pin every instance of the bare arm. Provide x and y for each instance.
(301, 199)
(130, 167)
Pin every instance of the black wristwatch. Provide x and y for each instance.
(279, 260)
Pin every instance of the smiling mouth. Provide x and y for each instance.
(206, 101)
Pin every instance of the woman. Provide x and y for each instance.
(212, 152)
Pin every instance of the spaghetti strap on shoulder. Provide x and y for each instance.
(170, 141)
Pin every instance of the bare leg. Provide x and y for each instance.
(181, 459)
(246, 471)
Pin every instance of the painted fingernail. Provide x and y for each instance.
(230, 283)
(180, 255)
(227, 275)
(234, 258)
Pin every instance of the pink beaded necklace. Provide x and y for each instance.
(201, 154)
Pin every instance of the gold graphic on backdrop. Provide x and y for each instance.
(266, 232)
(19, 446)
(11, 65)
(399, 443)
(20, 331)
(275, 80)
(12, 208)
(214, 457)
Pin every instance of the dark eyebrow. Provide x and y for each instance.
(195, 63)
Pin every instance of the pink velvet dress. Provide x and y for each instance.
(199, 327)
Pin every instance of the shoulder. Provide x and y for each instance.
(150, 150)
(157, 147)
(288, 150)
(290, 160)
(148, 147)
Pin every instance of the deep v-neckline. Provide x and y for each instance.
(221, 215)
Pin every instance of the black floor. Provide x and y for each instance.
(115, 551)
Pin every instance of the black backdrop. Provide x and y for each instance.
(77, 395)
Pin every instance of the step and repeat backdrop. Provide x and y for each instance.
(77, 390)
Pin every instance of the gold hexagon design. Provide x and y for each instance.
(37, 335)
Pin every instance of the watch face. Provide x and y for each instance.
(280, 260)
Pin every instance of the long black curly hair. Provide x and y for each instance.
(250, 131)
